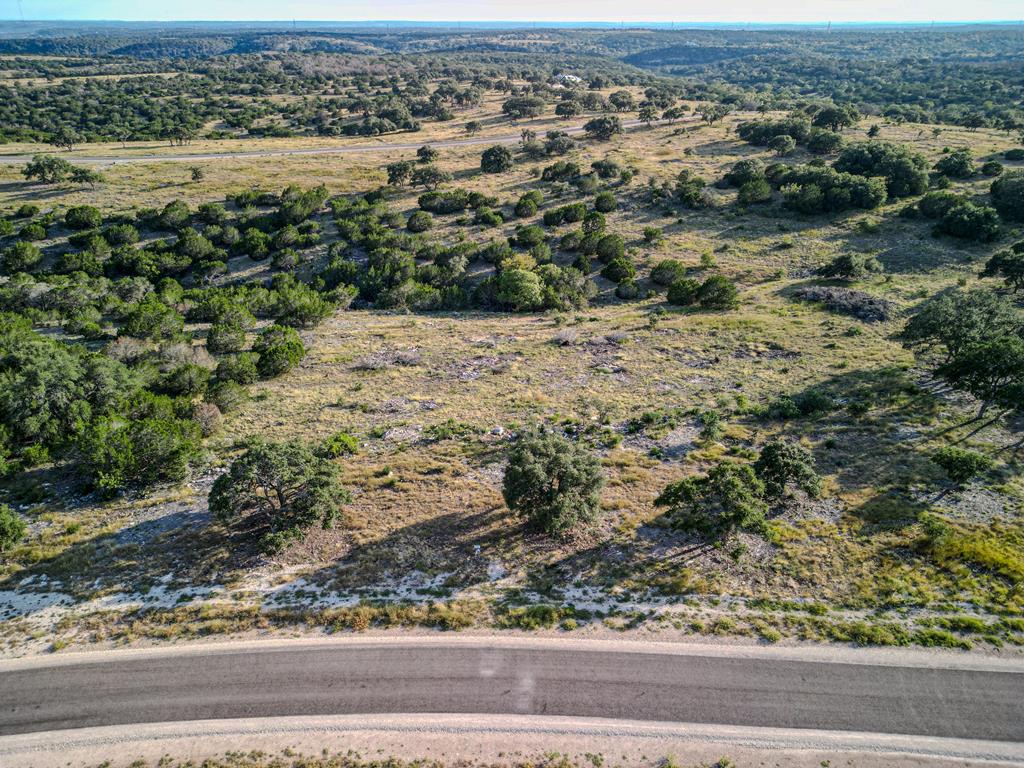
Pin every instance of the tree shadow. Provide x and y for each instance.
(863, 426)
(450, 546)
(887, 511)
(182, 549)
(914, 249)
(23, 190)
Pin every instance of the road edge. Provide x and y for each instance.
(820, 653)
(484, 736)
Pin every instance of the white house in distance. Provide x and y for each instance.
(563, 79)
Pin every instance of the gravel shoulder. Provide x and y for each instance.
(450, 739)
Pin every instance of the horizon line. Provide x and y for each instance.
(479, 22)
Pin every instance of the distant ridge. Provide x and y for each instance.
(43, 26)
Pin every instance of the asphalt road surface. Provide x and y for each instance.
(492, 678)
(340, 149)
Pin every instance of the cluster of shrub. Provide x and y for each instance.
(866, 174)
(130, 408)
(554, 483)
(714, 293)
(80, 109)
(784, 135)
(958, 215)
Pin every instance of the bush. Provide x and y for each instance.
(519, 290)
(280, 349)
(761, 132)
(683, 292)
(227, 395)
(1009, 265)
(960, 464)
(21, 257)
(83, 217)
(529, 236)
(935, 204)
(212, 213)
(781, 464)
(689, 190)
(121, 234)
(186, 380)
(957, 165)
(610, 247)
(627, 291)
(552, 482)
(606, 169)
(286, 259)
(32, 232)
(174, 215)
(744, 171)
(851, 266)
(209, 418)
(254, 243)
(152, 319)
(487, 218)
(619, 269)
(553, 217)
(605, 202)
(299, 305)
(652, 235)
(573, 213)
(727, 498)
(822, 142)
(905, 173)
(570, 241)
(593, 223)
(782, 145)
(12, 528)
(970, 222)
(527, 207)
(718, 292)
(453, 201)
(279, 490)
(756, 191)
(420, 221)
(992, 168)
(118, 454)
(563, 170)
(496, 159)
(667, 271)
(240, 368)
(339, 444)
(812, 189)
(711, 428)
(1008, 195)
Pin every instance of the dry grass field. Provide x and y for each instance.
(433, 398)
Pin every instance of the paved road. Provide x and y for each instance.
(310, 679)
(340, 149)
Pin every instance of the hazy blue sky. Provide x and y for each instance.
(778, 11)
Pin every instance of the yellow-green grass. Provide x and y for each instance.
(424, 505)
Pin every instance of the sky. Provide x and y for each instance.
(634, 11)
